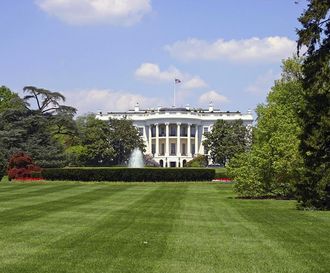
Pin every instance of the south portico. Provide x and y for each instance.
(173, 143)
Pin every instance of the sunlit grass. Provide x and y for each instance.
(155, 227)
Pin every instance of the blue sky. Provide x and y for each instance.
(107, 55)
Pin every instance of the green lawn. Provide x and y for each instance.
(155, 227)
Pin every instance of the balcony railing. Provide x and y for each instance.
(172, 135)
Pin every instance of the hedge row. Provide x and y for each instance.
(128, 174)
(221, 173)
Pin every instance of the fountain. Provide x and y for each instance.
(136, 159)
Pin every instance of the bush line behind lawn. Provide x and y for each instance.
(128, 174)
(221, 173)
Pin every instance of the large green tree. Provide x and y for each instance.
(93, 147)
(226, 139)
(103, 143)
(28, 131)
(8, 100)
(273, 166)
(124, 138)
(33, 124)
(314, 189)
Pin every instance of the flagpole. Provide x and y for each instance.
(174, 93)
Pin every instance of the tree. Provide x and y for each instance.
(34, 127)
(28, 131)
(46, 101)
(60, 117)
(95, 142)
(226, 139)
(198, 161)
(104, 143)
(273, 165)
(124, 138)
(314, 189)
(3, 163)
(8, 99)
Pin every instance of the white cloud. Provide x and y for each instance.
(194, 83)
(212, 96)
(85, 12)
(269, 49)
(263, 83)
(151, 72)
(108, 100)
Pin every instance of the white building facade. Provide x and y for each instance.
(175, 135)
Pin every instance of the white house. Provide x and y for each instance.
(174, 135)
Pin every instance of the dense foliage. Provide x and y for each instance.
(27, 130)
(129, 174)
(21, 166)
(314, 190)
(103, 143)
(221, 173)
(198, 161)
(226, 139)
(2, 164)
(8, 99)
(274, 166)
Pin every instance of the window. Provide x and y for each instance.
(153, 148)
(140, 129)
(205, 129)
(162, 131)
(184, 131)
(162, 149)
(193, 131)
(173, 131)
(193, 149)
(183, 148)
(173, 149)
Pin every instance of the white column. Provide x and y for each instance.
(145, 139)
(157, 139)
(178, 143)
(167, 140)
(150, 139)
(196, 139)
(189, 140)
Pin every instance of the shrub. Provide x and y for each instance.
(2, 172)
(128, 174)
(2, 165)
(221, 173)
(198, 161)
(20, 165)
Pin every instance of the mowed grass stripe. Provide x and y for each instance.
(227, 239)
(20, 242)
(128, 239)
(31, 212)
(298, 240)
(8, 187)
(41, 190)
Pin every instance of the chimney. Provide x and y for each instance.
(137, 107)
(211, 107)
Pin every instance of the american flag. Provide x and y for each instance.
(177, 81)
